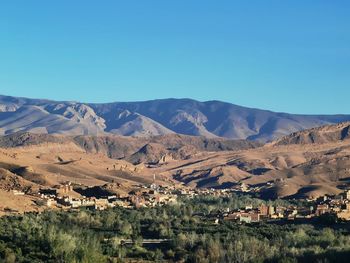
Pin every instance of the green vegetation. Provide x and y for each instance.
(189, 230)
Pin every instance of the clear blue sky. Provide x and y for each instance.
(291, 56)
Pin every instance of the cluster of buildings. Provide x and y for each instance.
(336, 205)
(152, 195)
(64, 197)
(263, 212)
(144, 196)
(339, 205)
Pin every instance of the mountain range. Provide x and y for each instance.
(210, 119)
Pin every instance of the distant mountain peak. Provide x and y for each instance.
(154, 117)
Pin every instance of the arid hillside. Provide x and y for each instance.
(110, 163)
(51, 164)
(122, 147)
(305, 164)
(319, 135)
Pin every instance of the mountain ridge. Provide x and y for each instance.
(153, 117)
(119, 147)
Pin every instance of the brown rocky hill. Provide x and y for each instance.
(27, 139)
(323, 134)
(305, 164)
(96, 161)
(122, 147)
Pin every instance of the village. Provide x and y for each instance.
(152, 195)
(65, 197)
(334, 205)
